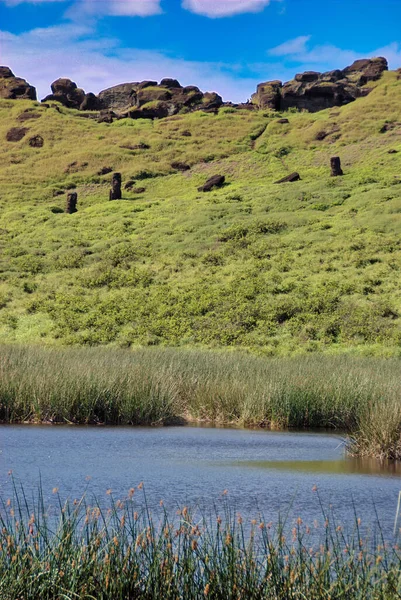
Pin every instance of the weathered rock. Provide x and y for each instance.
(153, 110)
(211, 101)
(307, 77)
(67, 93)
(335, 163)
(90, 102)
(151, 94)
(106, 116)
(129, 185)
(119, 97)
(282, 121)
(180, 166)
(36, 141)
(104, 171)
(315, 91)
(15, 88)
(321, 135)
(72, 200)
(115, 192)
(28, 115)
(170, 83)
(6, 73)
(393, 151)
(215, 181)
(186, 133)
(150, 100)
(289, 178)
(366, 69)
(15, 134)
(268, 95)
(138, 190)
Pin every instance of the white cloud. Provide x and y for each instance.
(224, 8)
(15, 2)
(118, 8)
(294, 46)
(123, 8)
(95, 63)
(324, 57)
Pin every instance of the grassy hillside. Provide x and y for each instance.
(311, 265)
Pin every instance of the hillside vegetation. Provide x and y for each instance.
(281, 269)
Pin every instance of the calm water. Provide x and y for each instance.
(261, 470)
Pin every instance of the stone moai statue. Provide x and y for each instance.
(72, 200)
(335, 164)
(115, 192)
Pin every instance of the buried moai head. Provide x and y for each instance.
(72, 200)
(115, 192)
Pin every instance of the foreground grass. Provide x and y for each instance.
(122, 552)
(308, 266)
(154, 386)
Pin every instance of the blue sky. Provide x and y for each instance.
(226, 46)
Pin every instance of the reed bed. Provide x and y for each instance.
(122, 552)
(361, 396)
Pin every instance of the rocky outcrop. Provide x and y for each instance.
(313, 91)
(150, 100)
(67, 93)
(15, 88)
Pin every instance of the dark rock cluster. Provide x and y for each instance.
(147, 99)
(314, 91)
(14, 88)
(152, 100)
(67, 93)
(311, 91)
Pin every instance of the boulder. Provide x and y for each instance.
(215, 181)
(119, 97)
(90, 102)
(366, 69)
(15, 134)
(152, 110)
(170, 83)
(106, 116)
(268, 95)
(289, 178)
(180, 166)
(70, 95)
(152, 94)
(104, 171)
(15, 88)
(36, 141)
(308, 76)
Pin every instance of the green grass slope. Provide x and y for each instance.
(281, 269)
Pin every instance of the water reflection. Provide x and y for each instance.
(362, 466)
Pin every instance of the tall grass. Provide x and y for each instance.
(123, 552)
(152, 386)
